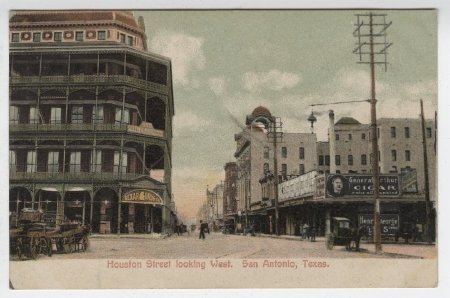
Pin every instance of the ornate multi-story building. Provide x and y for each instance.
(229, 191)
(255, 161)
(90, 121)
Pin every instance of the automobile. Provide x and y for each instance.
(341, 233)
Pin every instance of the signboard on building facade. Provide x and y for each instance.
(319, 191)
(389, 224)
(300, 186)
(142, 196)
(360, 185)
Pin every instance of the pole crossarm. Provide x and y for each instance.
(338, 102)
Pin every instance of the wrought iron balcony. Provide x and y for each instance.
(143, 130)
(68, 176)
(89, 80)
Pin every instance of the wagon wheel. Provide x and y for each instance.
(34, 248)
(19, 248)
(330, 242)
(84, 243)
(45, 246)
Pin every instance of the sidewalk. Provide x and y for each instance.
(131, 236)
(323, 239)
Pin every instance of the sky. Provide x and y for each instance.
(226, 63)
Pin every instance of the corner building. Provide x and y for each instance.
(90, 121)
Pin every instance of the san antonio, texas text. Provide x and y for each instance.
(216, 264)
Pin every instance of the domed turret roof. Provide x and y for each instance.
(261, 111)
(348, 120)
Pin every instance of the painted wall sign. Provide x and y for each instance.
(389, 224)
(142, 197)
(361, 185)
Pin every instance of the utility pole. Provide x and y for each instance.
(276, 134)
(427, 183)
(377, 47)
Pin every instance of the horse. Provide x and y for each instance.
(355, 238)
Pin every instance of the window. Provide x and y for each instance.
(31, 162)
(350, 160)
(284, 169)
(363, 136)
(266, 152)
(327, 160)
(130, 40)
(320, 160)
(15, 37)
(338, 160)
(55, 115)
(122, 38)
(36, 37)
(97, 161)
(349, 136)
(33, 117)
(77, 115)
(101, 35)
(75, 162)
(302, 169)
(12, 160)
(393, 133)
(301, 153)
(284, 152)
(394, 155)
(363, 159)
(337, 137)
(117, 162)
(79, 36)
(53, 162)
(429, 132)
(407, 132)
(126, 116)
(13, 115)
(407, 155)
(57, 36)
(124, 162)
(99, 116)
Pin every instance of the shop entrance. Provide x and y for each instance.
(77, 206)
(105, 212)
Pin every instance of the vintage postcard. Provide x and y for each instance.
(196, 149)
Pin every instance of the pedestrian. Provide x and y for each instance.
(203, 228)
(312, 233)
(305, 231)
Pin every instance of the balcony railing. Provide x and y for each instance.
(106, 127)
(90, 79)
(79, 176)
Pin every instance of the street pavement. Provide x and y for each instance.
(220, 246)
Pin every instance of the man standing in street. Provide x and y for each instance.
(203, 227)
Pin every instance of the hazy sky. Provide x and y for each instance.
(226, 63)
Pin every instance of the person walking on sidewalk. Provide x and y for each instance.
(203, 228)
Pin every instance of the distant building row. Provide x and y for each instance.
(301, 155)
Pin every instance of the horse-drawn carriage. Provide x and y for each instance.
(342, 234)
(33, 237)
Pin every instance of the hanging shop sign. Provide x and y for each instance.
(361, 185)
(142, 196)
(389, 224)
